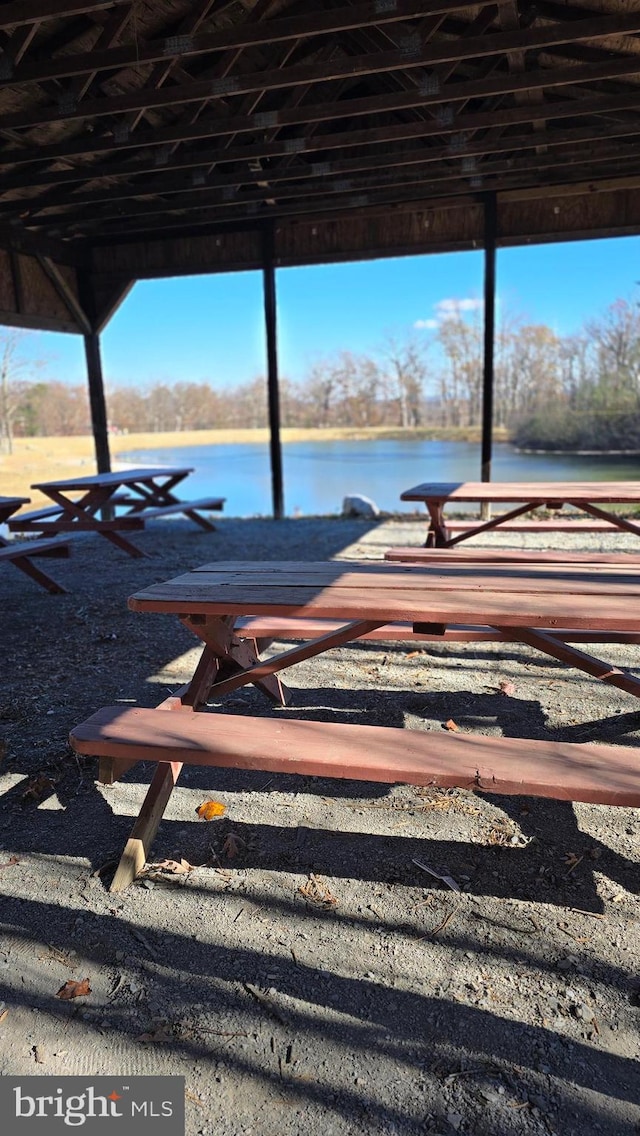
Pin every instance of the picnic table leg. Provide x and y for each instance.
(188, 699)
(134, 857)
(233, 655)
(573, 657)
(25, 565)
(437, 534)
(122, 543)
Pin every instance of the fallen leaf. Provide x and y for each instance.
(413, 654)
(507, 687)
(318, 892)
(231, 846)
(210, 809)
(3, 1015)
(11, 862)
(38, 787)
(176, 867)
(451, 725)
(73, 989)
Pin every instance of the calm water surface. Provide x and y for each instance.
(317, 475)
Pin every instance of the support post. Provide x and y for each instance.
(490, 229)
(97, 402)
(270, 315)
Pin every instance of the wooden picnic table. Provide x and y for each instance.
(587, 496)
(20, 552)
(113, 503)
(522, 598)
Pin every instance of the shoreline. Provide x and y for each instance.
(40, 459)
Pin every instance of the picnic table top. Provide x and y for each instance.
(8, 505)
(115, 478)
(578, 595)
(539, 492)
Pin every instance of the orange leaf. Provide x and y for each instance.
(507, 687)
(73, 989)
(210, 809)
(451, 725)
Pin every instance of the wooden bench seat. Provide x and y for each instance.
(15, 524)
(265, 628)
(20, 552)
(122, 736)
(410, 554)
(566, 771)
(543, 525)
(206, 504)
(50, 511)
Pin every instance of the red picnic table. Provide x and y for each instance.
(113, 503)
(587, 496)
(525, 600)
(20, 552)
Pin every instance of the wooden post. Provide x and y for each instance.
(87, 305)
(270, 315)
(490, 228)
(97, 402)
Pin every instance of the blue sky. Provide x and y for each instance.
(211, 328)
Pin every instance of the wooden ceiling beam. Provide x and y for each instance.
(450, 93)
(250, 33)
(16, 13)
(15, 237)
(162, 71)
(70, 301)
(597, 137)
(457, 194)
(459, 127)
(352, 67)
(501, 172)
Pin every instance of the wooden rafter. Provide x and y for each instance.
(485, 46)
(428, 181)
(124, 119)
(249, 34)
(603, 146)
(18, 13)
(427, 93)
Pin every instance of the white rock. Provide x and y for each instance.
(357, 505)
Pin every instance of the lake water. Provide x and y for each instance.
(317, 475)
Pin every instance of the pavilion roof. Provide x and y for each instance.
(145, 137)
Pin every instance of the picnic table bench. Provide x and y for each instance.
(20, 552)
(522, 600)
(587, 496)
(114, 503)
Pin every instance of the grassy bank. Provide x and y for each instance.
(44, 459)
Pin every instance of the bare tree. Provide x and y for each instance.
(13, 367)
(405, 370)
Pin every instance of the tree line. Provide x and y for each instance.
(577, 391)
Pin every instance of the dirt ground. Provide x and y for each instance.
(308, 974)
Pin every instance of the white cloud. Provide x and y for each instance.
(447, 309)
(451, 307)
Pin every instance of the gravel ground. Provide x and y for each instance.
(307, 975)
